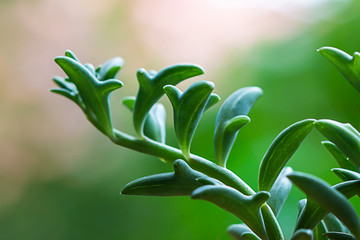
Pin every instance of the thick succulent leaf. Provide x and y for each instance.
(301, 206)
(281, 150)
(344, 136)
(302, 234)
(319, 231)
(346, 174)
(312, 213)
(110, 68)
(339, 236)
(246, 208)
(339, 156)
(333, 224)
(90, 67)
(188, 110)
(94, 93)
(151, 88)
(328, 198)
(155, 123)
(70, 54)
(213, 99)
(272, 226)
(348, 65)
(241, 232)
(233, 111)
(182, 182)
(280, 191)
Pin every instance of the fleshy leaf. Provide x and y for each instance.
(213, 99)
(302, 234)
(241, 232)
(339, 156)
(344, 136)
(339, 236)
(319, 231)
(346, 174)
(348, 65)
(110, 69)
(246, 208)
(151, 88)
(154, 128)
(188, 110)
(182, 182)
(281, 150)
(70, 54)
(231, 117)
(328, 198)
(279, 191)
(334, 225)
(94, 93)
(312, 213)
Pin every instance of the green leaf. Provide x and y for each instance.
(241, 232)
(302, 234)
(231, 117)
(281, 150)
(312, 213)
(280, 190)
(70, 54)
(348, 65)
(188, 110)
(246, 208)
(182, 182)
(344, 136)
(94, 93)
(155, 122)
(319, 231)
(110, 69)
(328, 198)
(334, 225)
(151, 88)
(346, 174)
(339, 156)
(339, 236)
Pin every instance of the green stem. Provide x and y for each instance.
(170, 154)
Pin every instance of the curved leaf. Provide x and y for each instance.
(182, 182)
(280, 190)
(246, 208)
(319, 231)
(110, 69)
(339, 236)
(344, 136)
(94, 93)
(188, 110)
(302, 234)
(346, 174)
(339, 156)
(241, 232)
(151, 88)
(230, 118)
(334, 225)
(348, 65)
(328, 198)
(312, 213)
(281, 150)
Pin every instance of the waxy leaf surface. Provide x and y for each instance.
(302, 234)
(339, 156)
(241, 232)
(339, 236)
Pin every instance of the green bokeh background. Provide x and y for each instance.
(83, 202)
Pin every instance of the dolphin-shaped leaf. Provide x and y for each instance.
(230, 118)
(154, 128)
(281, 150)
(182, 182)
(279, 191)
(302, 234)
(346, 174)
(94, 93)
(319, 231)
(312, 213)
(348, 65)
(188, 110)
(344, 136)
(68, 89)
(339, 236)
(110, 69)
(329, 199)
(241, 232)
(333, 224)
(151, 88)
(246, 208)
(339, 156)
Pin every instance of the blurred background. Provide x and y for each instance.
(60, 178)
